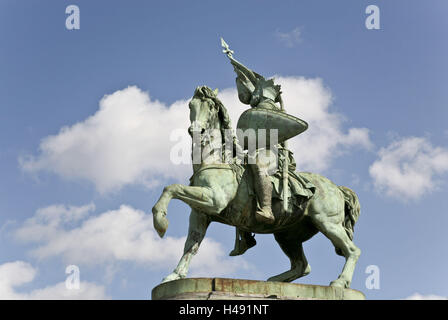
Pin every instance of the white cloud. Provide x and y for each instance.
(291, 38)
(127, 141)
(325, 139)
(18, 273)
(41, 226)
(418, 296)
(409, 168)
(125, 234)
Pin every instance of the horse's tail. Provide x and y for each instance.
(352, 211)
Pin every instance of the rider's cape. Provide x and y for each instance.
(299, 185)
(301, 188)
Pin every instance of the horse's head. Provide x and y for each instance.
(203, 111)
(210, 123)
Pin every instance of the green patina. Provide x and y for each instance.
(294, 206)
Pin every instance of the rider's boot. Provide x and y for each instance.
(243, 241)
(263, 188)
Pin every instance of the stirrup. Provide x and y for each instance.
(265, 215)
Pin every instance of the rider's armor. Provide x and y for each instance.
(262, 95)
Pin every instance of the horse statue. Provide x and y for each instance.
(223, 192)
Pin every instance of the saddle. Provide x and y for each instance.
(301, 189)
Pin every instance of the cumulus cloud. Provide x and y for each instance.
(18, 273)
(409, 168)
(130, 139)
(418, 296)
(41, 226)
(126, 141)
(325, 139)
(125, 234)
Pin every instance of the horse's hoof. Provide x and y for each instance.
(291, 275)
(160, 222)
(171, 277)
(307, 271)
(340, 283)
(275, 279)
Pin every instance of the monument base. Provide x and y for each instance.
(238, 289)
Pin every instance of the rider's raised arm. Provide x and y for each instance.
(242, 71)
(240, 68)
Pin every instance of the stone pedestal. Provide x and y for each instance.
(238, 289)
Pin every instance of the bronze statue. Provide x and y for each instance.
(292, 205)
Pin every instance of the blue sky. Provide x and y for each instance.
(388, 83)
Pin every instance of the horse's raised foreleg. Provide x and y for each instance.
(203, 199)
(196, 231)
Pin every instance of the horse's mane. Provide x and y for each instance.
(205, 92)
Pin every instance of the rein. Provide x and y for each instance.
(223, 166)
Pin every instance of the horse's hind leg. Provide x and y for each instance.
(338, 236)
(196, 232)
(292, 246)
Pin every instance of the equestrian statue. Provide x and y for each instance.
(248, 180)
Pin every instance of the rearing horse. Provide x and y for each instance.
(218, 193)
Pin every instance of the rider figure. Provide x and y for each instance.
(255, 90)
